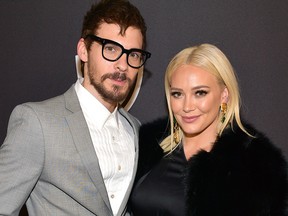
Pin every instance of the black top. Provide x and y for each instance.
(161, 191)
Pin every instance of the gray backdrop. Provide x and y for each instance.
(38, 43)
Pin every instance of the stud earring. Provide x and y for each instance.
(223, 110)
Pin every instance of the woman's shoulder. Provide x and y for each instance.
(259, 146)
(254, 143)
(258, 153)
(264, 156)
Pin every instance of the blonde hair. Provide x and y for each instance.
(211, 59)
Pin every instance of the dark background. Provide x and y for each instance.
(38, 43)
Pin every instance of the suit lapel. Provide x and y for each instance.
(83, 142)
(135, 125)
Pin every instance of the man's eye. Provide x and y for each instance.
(135, 55)
(109, 48)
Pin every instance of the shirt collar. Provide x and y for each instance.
(92, 108)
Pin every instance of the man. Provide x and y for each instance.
(76, 154)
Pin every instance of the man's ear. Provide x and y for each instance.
(82, 50)
(225, 95)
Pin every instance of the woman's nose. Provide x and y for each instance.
(188, 105)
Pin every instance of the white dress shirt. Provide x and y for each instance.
(113, 141)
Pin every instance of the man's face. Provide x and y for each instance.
(110, 82)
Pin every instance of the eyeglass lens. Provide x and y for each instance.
(113, 52)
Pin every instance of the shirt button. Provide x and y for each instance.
(119, 167)
(112, 196)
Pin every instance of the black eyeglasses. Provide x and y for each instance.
(112, 51)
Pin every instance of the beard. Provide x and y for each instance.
(116, 95)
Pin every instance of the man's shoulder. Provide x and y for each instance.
(50, 105)
(47, 104)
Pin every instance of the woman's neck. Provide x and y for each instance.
(203, 141)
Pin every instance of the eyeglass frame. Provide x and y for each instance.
(104, 41)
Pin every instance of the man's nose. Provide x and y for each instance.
(121, 63)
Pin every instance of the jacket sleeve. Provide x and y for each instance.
(21, 159)
(268, 175)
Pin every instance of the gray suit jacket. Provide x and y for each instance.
(48, 161)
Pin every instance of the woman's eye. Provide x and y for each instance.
(201, 93)
(176, 94)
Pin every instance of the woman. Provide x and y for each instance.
(213, 164)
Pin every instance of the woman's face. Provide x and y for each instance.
(195, 97)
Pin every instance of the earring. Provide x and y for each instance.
(176, 135)
(223, 110)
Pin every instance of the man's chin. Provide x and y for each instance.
(114, 93)
(118, 97)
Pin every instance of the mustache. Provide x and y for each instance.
(114, 76)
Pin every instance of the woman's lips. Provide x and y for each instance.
(190, 119)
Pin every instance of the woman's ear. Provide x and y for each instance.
(225, 95)
(82, 50)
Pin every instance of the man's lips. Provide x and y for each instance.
(119, 81)
(116, 78)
